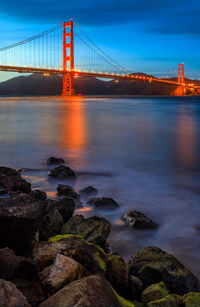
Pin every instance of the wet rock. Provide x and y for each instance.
(65, 206)
(54, 160)
(63, 271)
(12, 266)
(39, 195)
(153, 265)
(50, 225)
(138, 220)
(62, 172)
(135, 287)
(10, 296)
(154, 292)
(171, 300)
(192, 299)
(20, 217)
(32, 291)
(197, 227)
(66, 190)
(88, 191)
(94, 229)
(89, 291)
(11, 180)
(103, 202)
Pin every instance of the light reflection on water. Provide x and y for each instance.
(144, 152)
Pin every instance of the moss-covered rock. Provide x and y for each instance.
(171, 300)
(153, 265)
(192, 299)
(154, 292)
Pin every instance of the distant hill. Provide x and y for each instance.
(36, 84)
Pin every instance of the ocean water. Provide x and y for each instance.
(143, 152)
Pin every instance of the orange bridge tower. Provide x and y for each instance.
(68, 59)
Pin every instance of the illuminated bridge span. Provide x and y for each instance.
(66, 50)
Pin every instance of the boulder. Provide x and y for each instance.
(54, 160)
(171, 300)
(89, 291)
(12, 266)
(64, 271)
(135, 287)
(192, 299)
(88, 191)
(138, 220)
(50, 225)
(154, 292)
(66, 190)
(62, 172)
(11, 180)
(39, 195)
(153, 265)
(65, 206)
(103, 202)
(94, 229)
(20, 217)
(10, 296)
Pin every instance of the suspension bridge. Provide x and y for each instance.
(66, 50)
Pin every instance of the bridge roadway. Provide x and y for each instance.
(49, 71)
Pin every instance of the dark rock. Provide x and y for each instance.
(103, 202)
(92, 291)
(136, 287)
(197, 227)
(20, 216)
(65, 206)
(138, 220)
(12, 266)
(50, 225)
(64, 271)
(54, 160)
(191, 299)
(32, 290)
(153, 265)
(10, 296)
(11, 180)
(66, 190)
(154, 292)
(39, 195)
(62, 172)
(94, 229)
(88, 191)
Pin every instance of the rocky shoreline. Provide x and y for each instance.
(50, 257)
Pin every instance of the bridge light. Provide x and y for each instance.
(31, 64)
(123, 75)
(127, 76)
(118, 74)
(112, 74)
(76, 74)
(106, 73)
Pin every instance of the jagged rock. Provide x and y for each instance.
(138, 220)
(171, 300)
(94, 229)
(91, 256)
(66, 190)
(153, 265)
(32, 290)
(62, 172)
(50, 225)
(20, 216)
(65, 206)
(103, 202)
(11, 180)
(192, 299)
(12, 266)
(154, 292)
(54, 160)
(40, 195)
(136, 287)
(10, 296)
(89, 291)
(63, 271)
(88, 191)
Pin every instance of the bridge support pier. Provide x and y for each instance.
(179, 91)
(68, 84)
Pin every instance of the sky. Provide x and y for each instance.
(150, 36)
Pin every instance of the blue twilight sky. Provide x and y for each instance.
(150, 36)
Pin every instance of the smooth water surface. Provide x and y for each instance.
(144, 152)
